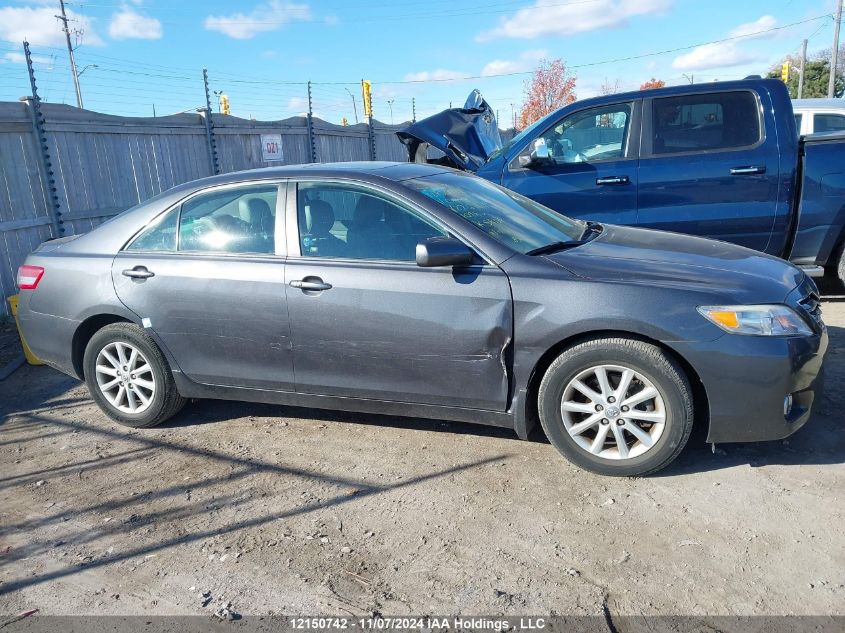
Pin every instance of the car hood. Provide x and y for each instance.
(467, 136)
(642, 256)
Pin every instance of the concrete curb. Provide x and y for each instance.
(11, 366)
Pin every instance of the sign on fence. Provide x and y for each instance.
(271, 147)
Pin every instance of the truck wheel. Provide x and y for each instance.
(129, 378)
(840, 266)
(616, 406)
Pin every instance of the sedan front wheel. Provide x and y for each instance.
(616, 406)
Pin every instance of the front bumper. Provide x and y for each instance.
(747, 378)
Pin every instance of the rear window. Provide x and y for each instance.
(713, 121)
(828, 122)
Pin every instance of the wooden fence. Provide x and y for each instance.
(105, 164)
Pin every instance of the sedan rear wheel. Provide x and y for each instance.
(616, 406)
(125, 377)
(129, 378)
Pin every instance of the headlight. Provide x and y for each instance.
(763, 320)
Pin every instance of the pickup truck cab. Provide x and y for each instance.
(720, 160)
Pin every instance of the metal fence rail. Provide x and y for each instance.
(104, 164)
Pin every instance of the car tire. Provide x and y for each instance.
(129, 378)
(840, 266)
(583, 410)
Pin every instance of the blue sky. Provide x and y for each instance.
(142, 54)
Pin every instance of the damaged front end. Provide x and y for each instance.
(466, 136)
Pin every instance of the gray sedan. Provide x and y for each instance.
(418, 290)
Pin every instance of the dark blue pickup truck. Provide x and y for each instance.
(722, 160)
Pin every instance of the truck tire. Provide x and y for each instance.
(840, 266)
(129, 378)
(616, 406)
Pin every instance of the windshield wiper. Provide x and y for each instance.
(556, 246)
(591, 231)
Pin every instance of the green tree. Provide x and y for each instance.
(816, 78)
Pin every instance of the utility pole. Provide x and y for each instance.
(390, 105)
(413, 110)
(64, 19)
(354, 107)
(834, 53)
(801, 69)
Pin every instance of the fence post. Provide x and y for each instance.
(33, 104)
(309, 124)
(205, 113)
(368, 111)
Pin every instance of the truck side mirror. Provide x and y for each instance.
(537, 155)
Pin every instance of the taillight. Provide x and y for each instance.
(29, 276)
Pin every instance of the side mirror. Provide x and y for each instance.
(538, 155)
(443, 251)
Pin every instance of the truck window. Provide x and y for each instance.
(828, 122)
(590, 136)
(713, 121)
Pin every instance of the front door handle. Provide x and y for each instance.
(613, 180)
(139, 272)
(750, 170)
(313, 283)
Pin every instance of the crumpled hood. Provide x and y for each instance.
(643, 256)
(466, 135)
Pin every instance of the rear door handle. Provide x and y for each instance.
(750, 170)
(310, 284)
(139, 272)
(613, 180)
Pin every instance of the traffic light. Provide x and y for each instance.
(366, 89)
(784, 71)
(224, 104)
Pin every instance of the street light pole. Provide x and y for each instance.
(64, 20)
(834, 53)
(801, 69)
(390, 105)
(354, 107)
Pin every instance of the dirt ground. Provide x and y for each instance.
(281, 510)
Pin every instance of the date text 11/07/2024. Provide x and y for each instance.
(428, 623)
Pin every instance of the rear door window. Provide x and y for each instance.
(231, 220)
(705, 122)
(237, 220)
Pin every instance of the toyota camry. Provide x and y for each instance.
(417, 290)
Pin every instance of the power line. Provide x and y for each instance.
(618, 59)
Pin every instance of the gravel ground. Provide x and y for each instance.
(281, 510)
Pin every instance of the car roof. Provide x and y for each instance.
(818, 104)
(383, 169)
(367, 171)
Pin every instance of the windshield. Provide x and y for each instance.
(508, 217)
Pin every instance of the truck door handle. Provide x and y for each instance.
(139, 272)
(310, 283)
(613, 180)
(748, 171)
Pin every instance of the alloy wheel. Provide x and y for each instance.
(613, 412)
(125, 377)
